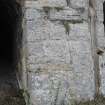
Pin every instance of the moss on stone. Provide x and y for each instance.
(67, 23)
(66, 26)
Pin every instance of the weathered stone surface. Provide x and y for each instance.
(39, 31)
(45, 30)
(79, 74)
(45, 3)
(99, 9)
(102, 73)
(100, 16)
(57, 31)
(49, 52)
(80, 32)
(61, 83)
(80, 3)
(59, 55)
(53, 3)
(83, 68)
(66, 14)
(100, 35)
(50, 87)
(99, 4)
(32, 4)
(32, 14)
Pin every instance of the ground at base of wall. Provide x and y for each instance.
(10, 94)
(12, 101)
(100, 100)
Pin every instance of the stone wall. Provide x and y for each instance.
(62, 41)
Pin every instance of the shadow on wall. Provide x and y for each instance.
(104, 13)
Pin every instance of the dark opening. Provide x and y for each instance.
(104, 14)
(10, 44)
(8, 23)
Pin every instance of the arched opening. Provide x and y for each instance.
(9, 20)
(10, 43)
(6, 40)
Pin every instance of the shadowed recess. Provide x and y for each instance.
(8, 22)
